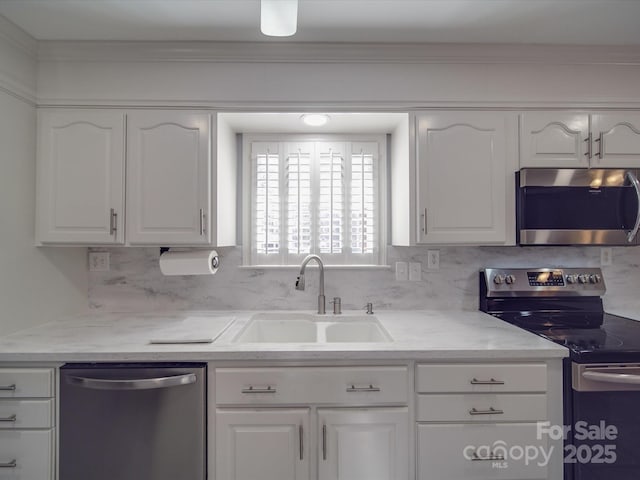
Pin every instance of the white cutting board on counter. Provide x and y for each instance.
(194, 329)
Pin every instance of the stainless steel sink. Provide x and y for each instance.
(307, 328)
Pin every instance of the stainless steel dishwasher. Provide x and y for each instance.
(133, 421)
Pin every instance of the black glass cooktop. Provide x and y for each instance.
(616, 339)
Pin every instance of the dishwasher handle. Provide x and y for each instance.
(131, 384)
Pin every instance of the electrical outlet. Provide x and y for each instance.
(415, 272)
(606, 256)
(402, 273)
(433, 259)
(98, 261)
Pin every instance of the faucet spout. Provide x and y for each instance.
(300, 280)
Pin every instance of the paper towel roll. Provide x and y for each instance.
(197, 262)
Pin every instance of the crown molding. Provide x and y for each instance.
(291, 52)
(18, 38)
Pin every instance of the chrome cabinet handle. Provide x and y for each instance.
(589, 140)
(636, 185)
(492, 457)
(251, 389)
(492, 381)
(12, 464)
(300, 434)
(491, 411)
(600, 140)
(203, 229)
(324, 442)
(424, 221)
(8, 388)
(113, 222)
(370, 388)
(11, 418)
(132, 384)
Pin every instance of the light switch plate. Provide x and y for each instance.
(402, 272)
(606, 256)
(433, 259)
(415, 272)
(98, 261)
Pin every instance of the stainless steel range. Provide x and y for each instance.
(602, 372)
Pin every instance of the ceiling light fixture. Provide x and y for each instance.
(315, 119)
(279, 18)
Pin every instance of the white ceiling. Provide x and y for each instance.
(576, 22)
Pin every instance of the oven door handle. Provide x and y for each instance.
(624, 378)
(636, 185)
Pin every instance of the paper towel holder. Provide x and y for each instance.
(215, 261)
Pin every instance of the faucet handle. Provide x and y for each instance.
(337, 305)
(369, 307)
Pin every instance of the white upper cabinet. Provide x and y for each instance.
(616, 139)
(168, 178)
(554, 140)
(580, 140)
(465, 165)
(80, 177)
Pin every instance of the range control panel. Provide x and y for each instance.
(543, 281)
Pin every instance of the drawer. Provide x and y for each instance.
(316, 385)
(454, 452)
(483, 377)
(481, 407)
(26, 382)
(26, 454)
(26, 414)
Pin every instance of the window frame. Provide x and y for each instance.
(248, 251)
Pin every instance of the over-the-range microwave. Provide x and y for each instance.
(577, 206)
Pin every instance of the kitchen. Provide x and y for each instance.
(45, 284)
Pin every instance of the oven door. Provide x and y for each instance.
(578, 207)
(605, 428)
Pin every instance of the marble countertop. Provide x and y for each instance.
(417, 335)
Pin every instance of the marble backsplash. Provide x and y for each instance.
(135, 283)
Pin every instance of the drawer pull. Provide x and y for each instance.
(355, 389)
(11, 418)
(11, 388)
(490, 458)
(12, 464)
(492, 381)
(491, 411)
(259, 390)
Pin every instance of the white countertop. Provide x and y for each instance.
(417, 335)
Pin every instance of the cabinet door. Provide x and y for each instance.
(466, 163)
(80, 177)
(262, 444)
(616, 140)
(168, 178)
(367, 444)
(554, 140)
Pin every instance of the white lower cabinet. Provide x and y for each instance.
(262, 444)
(27, 421)
(369, 443)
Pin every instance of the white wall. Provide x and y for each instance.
(36, 284)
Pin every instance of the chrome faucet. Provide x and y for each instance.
(300, 280)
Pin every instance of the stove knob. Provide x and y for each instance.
(595, 278)
(572, 279)
(498, 279)
(510, 279)
(583, 278)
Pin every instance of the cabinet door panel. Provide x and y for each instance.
(168, 178)
(363, 443)
(616, 140)
(554, 140)
(80, 177)
(27, 454)
(466, 164)
(262, 444)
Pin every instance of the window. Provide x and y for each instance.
(315, 196)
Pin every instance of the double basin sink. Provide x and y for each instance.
(309, 328)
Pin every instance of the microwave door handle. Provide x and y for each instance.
(636, 185)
